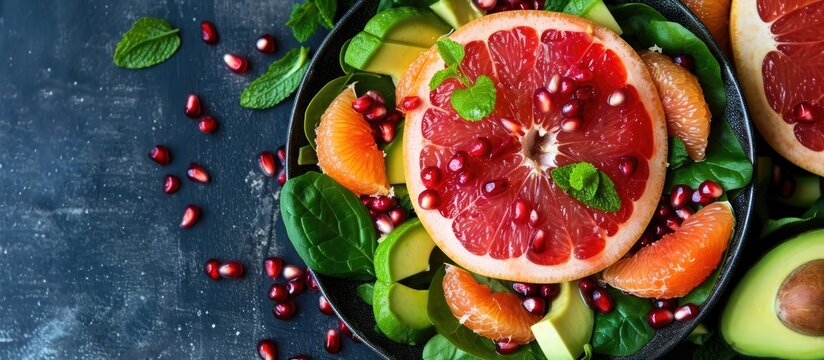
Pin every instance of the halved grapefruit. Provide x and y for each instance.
(500, 214)
(778, 47)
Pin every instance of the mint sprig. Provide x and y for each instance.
(476, 100)
(149, 42)
(592, 187)
(306, 17)
(278, 82)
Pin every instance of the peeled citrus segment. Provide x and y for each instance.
(777, 47)
(347, 151)
(676, 264)
(688, 115)
(715, 14)
(493, 315)
(528, 229)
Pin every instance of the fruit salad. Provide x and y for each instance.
(514, 179)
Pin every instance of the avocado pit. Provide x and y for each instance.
(800, 300)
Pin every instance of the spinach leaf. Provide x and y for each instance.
(307, 156)
(625, 330)
(363, 83)
(149, 42)
(555, 5)
(438, 348)
(813, 218)
(700, 294)
(329, 227)
(677, 153)
(714, 349)
(365, 292)
(726, 163)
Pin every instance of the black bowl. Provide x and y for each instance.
(358, 315)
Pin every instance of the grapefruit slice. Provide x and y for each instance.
(777, 47)
(503, 216)
(676, 264)
(347, 151)
(495, 315)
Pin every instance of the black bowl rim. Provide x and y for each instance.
(745, 199)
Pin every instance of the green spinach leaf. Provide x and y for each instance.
(555, 5)
(149, 42)
(726, 163)
(278, 82)
(678, 156)
(329, 227)
(439, 348)
(365, 292)
(700, 294)
(625, 330)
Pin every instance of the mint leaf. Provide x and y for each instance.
(277, 83)
(598, 194)
(304, 20)
(555, 5)
(678, 156)
(451, 52)
(327, 10)
(442, 75)
(477, 101)
(149, 42)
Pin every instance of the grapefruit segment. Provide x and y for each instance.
(575, 61)
(715, 14)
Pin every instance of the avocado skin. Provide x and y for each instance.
(749, 322)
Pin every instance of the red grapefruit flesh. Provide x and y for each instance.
(523, 52)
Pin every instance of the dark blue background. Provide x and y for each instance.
(92, 262)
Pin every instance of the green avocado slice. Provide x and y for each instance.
(407, 25)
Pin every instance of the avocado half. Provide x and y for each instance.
(750, 322)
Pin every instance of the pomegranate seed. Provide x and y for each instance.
(238, 64)
(190, 216)
(485, 4)
(397, 215)
(512, 126)
(803, 112)
(697, 198)
(161, 155)
(664, 209)
(282, 177)
(324, 306)
(231, 270)
(278, 292)
(684, 61)
(458, 162)
(284, 310)
(506, 347)
(465, 177)
(344, 329)
(669, 304)
(431, 176)
(684, 213)
(627, 165)
(429, 199)
(710, 189)
(661, 230)
(197, 173)
(267, 349)
(266, 161)
(376, 96)
(281, 152)
(525, 289)
(211, 269)
(673, 223)
(382, 203)
(514, 2)
(377, 113)
(299, 357)
(295, 287)
(388, 131)
(495, 187)
(384, 224)
(602, 301)
(208, 33)
(659, 318)
(538, 242)
(617, 98)
(686, 312)
(207, 124)
(543, 100)
(410, 103)
(193, 107)
(537, 5)
(265, 44)
(554, 84)
(272, 267)
(572, 108)
(550, 291)
(533, 218)
(679, 196)
(534, 305)
(580, 73)
(394, 117)
(310, 281)
(292, 272)
(571, 124)
(520, 211)
(332, 341)
(586, 93)
(363, 105)
(587, 286)
(171, 184)
(480, 148)
(567, 86)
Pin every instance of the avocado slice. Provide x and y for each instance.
(594, 10)
(401, 311)
(564, 331)
(394, 158)
(407, 25)
(750, 321)
(368, 52)
(456, 13)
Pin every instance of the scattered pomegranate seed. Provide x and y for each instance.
(193, 107)
(659, 318)
(669, 304)
(572, 108)
(284, 310)
(292, 272)
(382, 203)
(535, 305)
(267, 349)
(697, 198)
(661, 230)
(231, 270)
(161, 155)
(238, 64)
(190, 215)
(550, 291)
(397, 215)
(431, 176)
(324, 306)
(211, 269)
(295, 287)
(803, 112)
(554, 84)
(281, 153)
(617, 98)
(506, 347)
(684, 213)
(679, 196)
(566, 86)
(410, 103)
(686, 312)
(602, 301)
(457, 162)
(664, 209)
(512, 126)
(171, 184)
(571, 124)
(344, 329)
(429, 199)
(377, 113)
(485, 4)
(627, 165)
(332, 341)
(207, 124)
(388, 131)
(208, 33)
(278, 292)
(376, 96)
(586, 93)
(525, 289)
(272, 267)
(265, 44)
(543, 100)
(384, 224)
(587, 286)
(711, 189)
(197, 173)
(520, 211)
(684, 61)
(495, 187)
(673, 222)
(480, 148)
(466, 176)
(394, 117)
(310, 281)
(534, 218)
(282, 177)
(538, 242)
